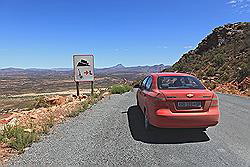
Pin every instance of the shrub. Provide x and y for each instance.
(243, 72)
(74, 113)
(95, 95)
(200, 74)
(176, 67)
(17, 138)
(210, 85)
(120, 89)
(41, 102)
(88, 103)
(219, 60)
(210, 72)
(85, 105)
(45, 129)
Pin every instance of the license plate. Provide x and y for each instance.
(189, 104)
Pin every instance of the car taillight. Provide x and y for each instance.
(215, 101)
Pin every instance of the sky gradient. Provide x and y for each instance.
(46, 33)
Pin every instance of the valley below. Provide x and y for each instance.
(19, 88)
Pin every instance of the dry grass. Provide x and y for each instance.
(32, 125)
(11, 103)
(49, 82)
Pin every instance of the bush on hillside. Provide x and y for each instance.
(210, 72)
(242, 72)
(218, 60)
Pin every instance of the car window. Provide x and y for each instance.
(179, 82)
(148, 84)
(144, 82)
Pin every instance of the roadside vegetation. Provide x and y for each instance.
(18, 138)
(35, 116)
(120, 88)
(29, 130)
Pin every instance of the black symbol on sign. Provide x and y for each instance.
(80, 74)
(83, 63)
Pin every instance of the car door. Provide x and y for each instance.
(140, 94)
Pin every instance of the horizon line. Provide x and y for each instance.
(51, 68)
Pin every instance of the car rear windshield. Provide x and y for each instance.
(179, 82)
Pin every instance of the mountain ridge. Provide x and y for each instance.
(221, 58)
(113, 69)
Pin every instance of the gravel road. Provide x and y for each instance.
(111, 134)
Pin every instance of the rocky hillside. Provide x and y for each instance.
(221, 58)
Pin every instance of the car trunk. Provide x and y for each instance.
(193, 100)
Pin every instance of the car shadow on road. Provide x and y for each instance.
(158, 135)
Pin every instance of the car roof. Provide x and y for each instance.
(170, 74)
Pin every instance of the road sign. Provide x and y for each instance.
(83, 68)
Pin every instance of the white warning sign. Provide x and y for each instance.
(83, 67)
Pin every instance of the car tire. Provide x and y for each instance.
(137, 102)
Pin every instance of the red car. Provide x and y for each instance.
(177, 100)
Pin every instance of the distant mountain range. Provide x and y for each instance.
(119, 68)
(110, 70)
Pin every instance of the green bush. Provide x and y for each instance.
(51, 121)
(85, 105)
(95, 95)
(200, 74)
(218, 60)
(210, 85)
(18, 138)
(210, 72)
(120, 89)
(243, 72)
(45, 129)
(224, 78)
(74, 113)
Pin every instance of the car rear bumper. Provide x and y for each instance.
(164, 118)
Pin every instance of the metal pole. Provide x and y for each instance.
(92, 88)
(77, 89)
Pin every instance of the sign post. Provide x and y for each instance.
(92, 88)
(83, 70)
(77, 89)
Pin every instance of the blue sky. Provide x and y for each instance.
(46, 33)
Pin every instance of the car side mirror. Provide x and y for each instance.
(137, 86)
